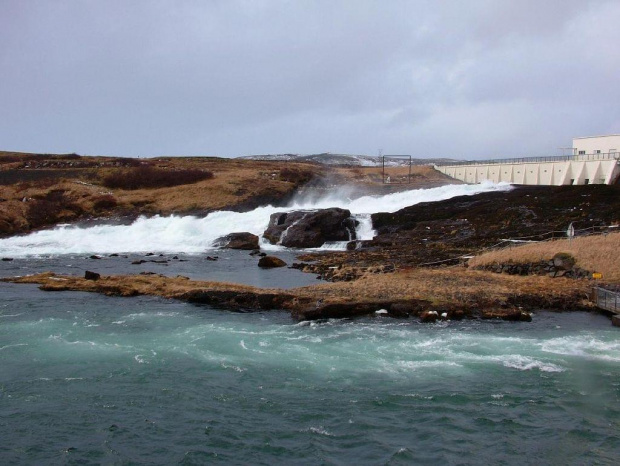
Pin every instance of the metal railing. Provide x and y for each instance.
(557, 158)
(607, 299)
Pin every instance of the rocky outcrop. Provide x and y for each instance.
(310, 229)
(243, 240)
(230, 299)
(561, 265)
(88, 275)
(270, 262)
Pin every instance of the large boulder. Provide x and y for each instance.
(310, 229)
(563, 261)
(244, 240)
(269, 262)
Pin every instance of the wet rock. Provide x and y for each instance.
(113, 255)
(7, 259)
(267, 262)
(337, 310)
(138, 262)
(310, 229)
(88, 275)
(514, 315)
(243, 240)
(95, 257)
(429, 317)
(401, 310)
(212, 258)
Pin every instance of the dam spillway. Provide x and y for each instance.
(546, 171)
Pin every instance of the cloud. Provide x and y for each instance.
(485, 78)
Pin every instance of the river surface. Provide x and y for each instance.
(90, 379)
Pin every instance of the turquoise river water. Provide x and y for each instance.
(89, 379)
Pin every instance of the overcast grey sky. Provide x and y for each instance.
(461, 78)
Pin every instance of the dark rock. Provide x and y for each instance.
(212, 258)
(271, 262)
(176, 257)
(95, 257)
(429, 317)
(352, 245)
(563, 261)
(244, 240)
(150, 254)
(401, 310)
(88, 275)
(237, 300)
(337, 310)
(7, 259)
(114, 255)
(256, 252)
(310, 229)
(138, 262)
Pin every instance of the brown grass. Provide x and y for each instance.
(593, 253)
(441, 288)
(420, 175)
(454, 286)
(235, 183)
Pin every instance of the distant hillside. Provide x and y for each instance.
(349, 160)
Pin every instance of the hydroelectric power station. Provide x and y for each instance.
(594, 160)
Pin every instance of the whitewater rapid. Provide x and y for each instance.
(193, 235)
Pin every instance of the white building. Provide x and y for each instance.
(596, 144)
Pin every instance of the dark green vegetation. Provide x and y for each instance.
(149, 177)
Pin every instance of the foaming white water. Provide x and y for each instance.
(193, 235)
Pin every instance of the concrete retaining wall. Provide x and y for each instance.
(578, 170)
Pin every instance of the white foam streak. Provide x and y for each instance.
(194, 235)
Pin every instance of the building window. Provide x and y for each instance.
(587, 181)
(572, 181)
(597, 151)
(582, 152)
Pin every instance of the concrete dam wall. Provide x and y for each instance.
(550, 171)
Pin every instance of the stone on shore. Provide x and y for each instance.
(88, 275)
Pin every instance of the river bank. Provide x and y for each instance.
(429, 295)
